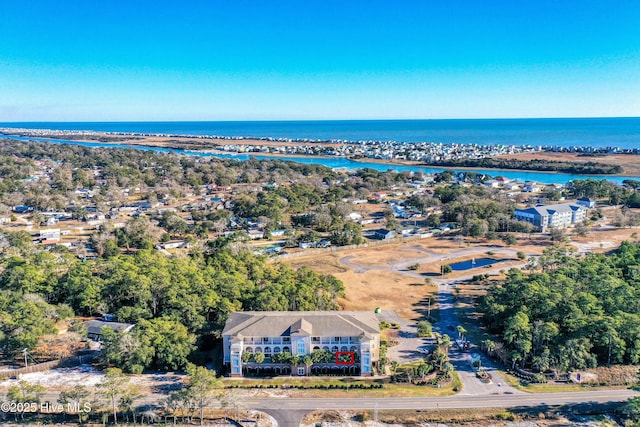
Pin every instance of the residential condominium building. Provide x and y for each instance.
(354, 334)
(559, 216)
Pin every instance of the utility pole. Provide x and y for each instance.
(429, 308)
(25, 352)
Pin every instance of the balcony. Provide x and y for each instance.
(266, 341)
(333, 340)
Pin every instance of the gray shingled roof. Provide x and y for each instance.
(315, 323)
(95, 326)
(551, 209)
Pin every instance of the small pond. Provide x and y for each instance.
(473, 263)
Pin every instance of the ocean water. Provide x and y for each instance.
(593, 132)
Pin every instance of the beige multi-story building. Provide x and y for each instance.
(301, 333)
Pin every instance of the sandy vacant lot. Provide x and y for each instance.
(379, 276)
(370, 289)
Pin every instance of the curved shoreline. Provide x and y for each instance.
(178, 143)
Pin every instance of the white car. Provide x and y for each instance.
(423, 349)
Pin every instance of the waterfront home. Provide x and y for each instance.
(492, 183)
(354, 334)
(559, 216)
(531, 187)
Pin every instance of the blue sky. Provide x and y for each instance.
(116, 60)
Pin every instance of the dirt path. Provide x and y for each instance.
(401, 266)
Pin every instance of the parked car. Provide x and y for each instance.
(424, 349)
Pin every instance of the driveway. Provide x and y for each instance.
(406, 350)
(461, 360)
(408, 341)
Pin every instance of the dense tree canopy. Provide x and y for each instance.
(172, 300)
(572, 312)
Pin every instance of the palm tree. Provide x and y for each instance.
(461, 332)
(438, 359)
(516, 357)
(295, 361)
(308, 362)
(445, 342)
(394, 366)
(489, 345)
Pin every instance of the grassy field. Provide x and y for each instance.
(286, 386)
(366, 290)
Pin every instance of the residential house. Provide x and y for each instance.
(560, 216)
(277, 233)
(587, 202)
(94, 328)
(21, 209)
(50, 234)
(384, 234)
(354, 216)
(531, 187)
(300, 333)
(171, 244)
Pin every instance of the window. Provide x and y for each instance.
(235, 362)
(334, 348)
(286, 349)
(300, 370)
(336, 339)
(276, 349)
(300, 347)
(249, 349)
(267, 351)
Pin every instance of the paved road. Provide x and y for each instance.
(448, 319)
(451, 402)
(289, 411)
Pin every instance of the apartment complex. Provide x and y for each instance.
(353, 334)
(559, 216)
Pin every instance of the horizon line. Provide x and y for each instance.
(327, 120)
